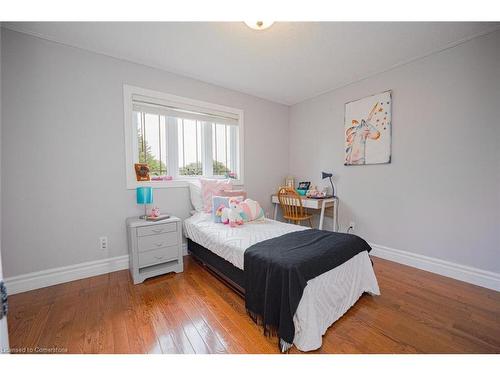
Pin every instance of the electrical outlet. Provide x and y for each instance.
(103, 243)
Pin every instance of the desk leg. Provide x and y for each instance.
(334, 219)
(322, 215)
(335, 214)
(275, 211)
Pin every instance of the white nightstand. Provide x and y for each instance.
(154, 247)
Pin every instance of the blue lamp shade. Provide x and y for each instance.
(144, 195)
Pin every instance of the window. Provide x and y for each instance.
(181, 137)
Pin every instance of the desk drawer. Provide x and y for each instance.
(158, 240)
(165, 254)
(156, 229)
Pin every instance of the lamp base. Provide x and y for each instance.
(145, 216)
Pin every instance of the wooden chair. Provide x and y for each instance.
(292, 211)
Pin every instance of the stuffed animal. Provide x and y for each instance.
(230, 215)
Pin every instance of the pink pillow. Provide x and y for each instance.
(209, 188)
(234, 193)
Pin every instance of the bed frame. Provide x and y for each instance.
(221, 268)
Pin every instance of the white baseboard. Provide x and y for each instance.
(53, 276)
(476, 276)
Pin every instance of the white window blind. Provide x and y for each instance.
(188, 112)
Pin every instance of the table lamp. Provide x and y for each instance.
(329, 175)
(145, 197)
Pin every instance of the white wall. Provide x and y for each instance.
(63, 171)
(440, 196)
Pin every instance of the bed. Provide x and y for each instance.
(325, 298)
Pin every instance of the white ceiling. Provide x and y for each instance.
(287, 63)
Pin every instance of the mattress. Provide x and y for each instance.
(325, 299)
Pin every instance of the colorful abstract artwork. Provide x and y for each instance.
(368, 130)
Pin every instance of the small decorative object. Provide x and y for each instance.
(329, 176)
(290, 182)
(230, 215)
(155, 212)
(142, 171)
(315, 193)
(144, 195)
(303, 187)
(368, 130)
(231, 175)
(155, 215)
(161, 178)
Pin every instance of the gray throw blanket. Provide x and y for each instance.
(277, 271)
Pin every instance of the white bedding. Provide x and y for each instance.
(231, 243)
(326, 298)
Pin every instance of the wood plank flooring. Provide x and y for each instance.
(193, 312)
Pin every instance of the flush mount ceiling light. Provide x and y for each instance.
(259, 25)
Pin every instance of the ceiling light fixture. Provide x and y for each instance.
(259, 25)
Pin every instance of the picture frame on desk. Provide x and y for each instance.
(304, 185)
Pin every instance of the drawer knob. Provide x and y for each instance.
(159, 244)
(159, 257)
(157, 230)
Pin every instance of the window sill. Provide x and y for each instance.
(177, 183)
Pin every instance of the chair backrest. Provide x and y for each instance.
(290, 202)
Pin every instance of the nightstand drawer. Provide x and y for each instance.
(156, 229)
(158, 240)
(162, 255)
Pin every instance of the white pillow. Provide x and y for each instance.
(195, 194)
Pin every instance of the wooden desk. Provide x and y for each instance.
(315, 204)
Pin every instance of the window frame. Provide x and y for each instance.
(178, 101)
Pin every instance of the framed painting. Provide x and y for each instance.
(368, 129)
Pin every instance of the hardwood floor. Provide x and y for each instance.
(193, 312)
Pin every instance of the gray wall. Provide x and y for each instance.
(63, 170)
(440, 196)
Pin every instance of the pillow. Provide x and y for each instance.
(209, 188)
(218, 201)
(234, 193)
(195, 195)
(251, 211)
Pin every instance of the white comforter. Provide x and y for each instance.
(326, 298)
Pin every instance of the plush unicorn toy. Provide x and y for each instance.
(231, 215)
